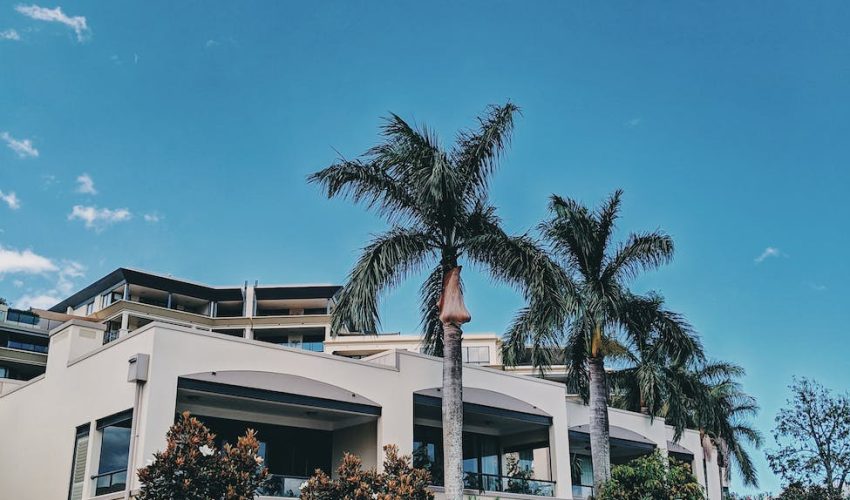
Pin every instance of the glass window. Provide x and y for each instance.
(4, 372)
(114, 453)
(476, 354)
(89, 308)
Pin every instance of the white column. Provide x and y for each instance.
(125, 324)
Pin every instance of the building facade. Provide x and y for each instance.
(135, 349)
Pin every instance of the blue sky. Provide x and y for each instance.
(176, 138)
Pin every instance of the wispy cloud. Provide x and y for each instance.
(22, 147)
(152, 217)
(85, 184)
(634, 122)
(817, 287)
(25, 262)
(10, 199)
(10, 34)
(99, 218)
(64, 285)
(55, 15)
(768, 252)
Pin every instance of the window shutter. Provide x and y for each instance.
(78, 471)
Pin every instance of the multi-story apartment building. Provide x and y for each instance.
(132, 350)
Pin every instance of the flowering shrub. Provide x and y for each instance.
(398, 481)
(191, 468)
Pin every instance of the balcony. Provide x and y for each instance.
(302, 424)
(284, 486)
(480, 481)
(505, 442)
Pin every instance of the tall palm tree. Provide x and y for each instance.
(591, 314)
(721, 410)
(436, 202)
(657, 350)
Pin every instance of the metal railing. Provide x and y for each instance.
(110, 482)
(109, 336)
(581, 491)
(280, 485)
(508, 484)
(26, 346)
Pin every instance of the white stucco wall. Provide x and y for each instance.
(38, 420)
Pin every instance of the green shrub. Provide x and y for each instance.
(652, 478)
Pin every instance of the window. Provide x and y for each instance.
(78, 463)
(476, 355)
(316, 310)
(89, 308)
(114, 453)
(4, 372)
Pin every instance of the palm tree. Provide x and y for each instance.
(658, 348)
(720, 409)
(436, 202)
(592, 313)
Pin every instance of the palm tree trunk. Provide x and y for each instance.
(452, 412)
(600, 446)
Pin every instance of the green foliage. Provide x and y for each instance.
(812, 437)
(652, 478)
(437, 204)
(191, 468)
(399, 480)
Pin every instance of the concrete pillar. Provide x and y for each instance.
(125, 324)
(168, 305)
(249, 333)
(126, 295)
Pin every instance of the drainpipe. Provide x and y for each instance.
(138, 373)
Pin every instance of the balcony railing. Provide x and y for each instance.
(507, 484)
(110, 482)
(283, 486)
(29, 320)
(109, 336)
(581, 491)
(26, 346)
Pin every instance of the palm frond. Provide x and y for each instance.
(477, 152)
(384, 262)
(641, 252)
(432, 327)
(368, 183)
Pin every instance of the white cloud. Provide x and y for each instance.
(634, 122)
(817, 287)
(22, 147)
(77, 23)
(768, 253)
(25, 262)
(10, 34)
(153, 218)
(38, 301)
(99, 218)
(85, 184)
(10, 199)
(18, 283)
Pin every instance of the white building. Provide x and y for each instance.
(261, 357)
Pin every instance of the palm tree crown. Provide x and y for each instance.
(437, 204)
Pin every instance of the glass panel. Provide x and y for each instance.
(115, 447)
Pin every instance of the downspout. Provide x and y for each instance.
(138, 373)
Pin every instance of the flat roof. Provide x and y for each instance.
(190, 288)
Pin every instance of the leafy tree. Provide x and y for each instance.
(436, 202)
(799, 491)
(651, 478)
(812, 437)
(191, 468)
(399, 480)
(591, 315)
(3, 302)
